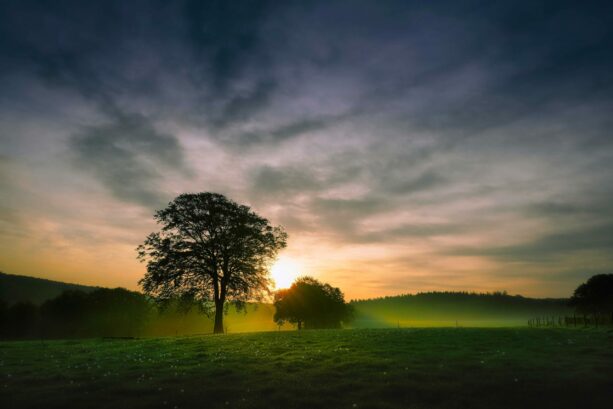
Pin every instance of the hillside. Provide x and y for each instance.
(454, 308)
(15, 288)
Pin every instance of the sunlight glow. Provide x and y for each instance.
(284, 272)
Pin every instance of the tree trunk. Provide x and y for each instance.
(299, 325)
(218, 327)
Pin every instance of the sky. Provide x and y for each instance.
(405, 146)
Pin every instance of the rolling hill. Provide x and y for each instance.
(15, 288)
(454, 308)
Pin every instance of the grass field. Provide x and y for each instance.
(384, 368)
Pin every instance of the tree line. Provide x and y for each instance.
(78, 314)
(122, 313)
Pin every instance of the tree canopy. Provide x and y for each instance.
(594, 296)
(212, 250)
(311, 303)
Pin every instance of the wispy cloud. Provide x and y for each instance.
(129, 157)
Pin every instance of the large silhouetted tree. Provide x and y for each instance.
(595, 296)
(312, 303)
(212, 250)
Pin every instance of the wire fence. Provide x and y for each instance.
(596, 320)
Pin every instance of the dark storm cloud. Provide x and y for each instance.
(244, 104)
(64, 47)
(284, 132)
(482, 70)
(271, 181)
(587, 201)
(340, 216)
(528, 56)
(407, 233)
(426, 180)
(552, 209)
(560, 209)
(225, 35)
(129, 157)
(225, 39)
(597, 238)
(117, 54)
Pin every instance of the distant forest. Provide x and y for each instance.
(36, 308)
(455, 308)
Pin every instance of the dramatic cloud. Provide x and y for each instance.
(129, 157)
(596, 239)
(405, 146)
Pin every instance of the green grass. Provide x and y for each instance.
(385, 368)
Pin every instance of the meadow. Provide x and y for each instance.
(359, 368)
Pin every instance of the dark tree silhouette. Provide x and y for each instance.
(212, 250)
(312, 303)
(118, 312)
(22, 320)
(595, 296)
(103, 312)
(65, 315)
(3, 318)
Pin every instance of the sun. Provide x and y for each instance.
(284, 272)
